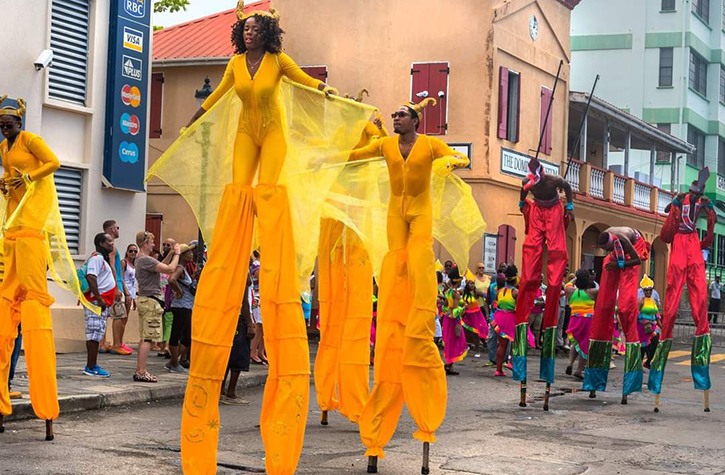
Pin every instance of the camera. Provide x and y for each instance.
(44, 60)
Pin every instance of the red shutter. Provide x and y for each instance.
(503, 99)
(506, 244)
(546, 141)
(420, 83)
(157, 100)
(317, 72)
(153, 225)
(436, 117)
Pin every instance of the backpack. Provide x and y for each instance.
(81, 274)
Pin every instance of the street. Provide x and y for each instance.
(485, 432)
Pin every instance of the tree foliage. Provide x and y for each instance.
(170, 6)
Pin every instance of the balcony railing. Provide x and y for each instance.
(619, 190)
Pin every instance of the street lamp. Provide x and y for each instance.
(201, 95)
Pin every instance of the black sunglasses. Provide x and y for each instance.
(395, 115)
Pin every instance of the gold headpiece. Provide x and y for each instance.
(272, 13)
(359, 97)
(18, 112)
(418, 108)
(646, 282)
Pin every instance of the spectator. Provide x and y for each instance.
(103, 288)
(582, 296)
(239, 356)
(714, 308)
(13, 363)
(129, 276)
(561, 344)
(183, 286)
(117, 311)
(150, 299)
(168, 319)
(537, 313)
(447, 267)
(257, 352)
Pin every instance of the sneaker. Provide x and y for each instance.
(16, 395)
(175, 369)
(234, 401)
(489, 364)
(477, 355)
(96, 371)
(127, 348)
(185, 364)
(119, 350)
(612, 365)
(510, 365)
(105, 349)
(499, 374)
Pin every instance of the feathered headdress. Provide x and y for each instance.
(536, 173)
(646, 282)
(272, 13)
(418, 108)
(18, 112)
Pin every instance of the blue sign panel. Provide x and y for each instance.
(129, 68)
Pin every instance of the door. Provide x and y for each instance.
(506, 245)
(153, 225)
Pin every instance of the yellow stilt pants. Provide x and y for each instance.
(24, 299)
(287, 391)
(216, 312)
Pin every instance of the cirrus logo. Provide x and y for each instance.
(130, 96)
(128, 151)
(130, 124)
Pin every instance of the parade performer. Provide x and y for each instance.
(545, 224)
(504, 318)
(474, 320)
(345, 283)
(407, 364)
(255, 72)
(627, 249)
(649, 321)
(33, 243)
(581, 297)
(687, 265)
(455, 347)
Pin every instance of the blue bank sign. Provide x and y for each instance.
(127, 91)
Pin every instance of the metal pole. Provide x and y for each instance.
(581, 128)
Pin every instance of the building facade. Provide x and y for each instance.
(66, 106)
(662, 61)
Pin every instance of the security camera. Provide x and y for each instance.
(44, 60)
(422, 94)
(441, 94)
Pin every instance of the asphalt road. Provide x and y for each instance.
(485, 432)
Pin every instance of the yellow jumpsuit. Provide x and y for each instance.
(408, 366)
(259, 142)
(24, 294)
(345, 283)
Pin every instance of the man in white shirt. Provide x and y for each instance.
(714, 307)
(102, 285)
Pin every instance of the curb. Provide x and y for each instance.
(87, 402)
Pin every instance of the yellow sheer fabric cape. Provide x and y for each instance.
(60, 263)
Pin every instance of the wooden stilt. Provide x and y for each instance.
(624, 399)
(592, 394)
(707, 400)
(373, 464)
(49, 430)
(2, 427)
(425, 470)
(657, 403)
(522, 403)
(323, 419)
(546, 396)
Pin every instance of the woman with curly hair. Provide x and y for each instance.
(255, 72)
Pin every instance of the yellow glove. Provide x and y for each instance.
(445, 165)
(330, 91)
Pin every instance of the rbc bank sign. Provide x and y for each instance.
(127, 90)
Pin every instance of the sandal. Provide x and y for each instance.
(145, 378)
(568, 370)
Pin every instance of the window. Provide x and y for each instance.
(431, 80)
(698, 73)
(702, 9)
(664, 157)
(720, 250)
(69, 39)
(509, 91)
(546, 140)
(721, 156)
(668, 5)
(722, 84)
(156, 108)
(666, 66)
(696, 138)
(69, 185)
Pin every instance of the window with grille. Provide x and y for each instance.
(721, 157)
(69, 40)
(702, 9)
(698, 73)
(69, 185)
(664, 157)
(696, 138)
(721, 250)
(666, 66)
(668, 5)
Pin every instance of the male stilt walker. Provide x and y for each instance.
(627, 249)
(687, 265)
(546, 220)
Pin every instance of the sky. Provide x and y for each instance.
(196, 9)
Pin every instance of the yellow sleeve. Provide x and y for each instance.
(372, 150)
(6, 167)
(292, 71)
(45, 155)
(441, 149)
(223, 87)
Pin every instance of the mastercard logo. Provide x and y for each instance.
(130, 124)
(131, 96)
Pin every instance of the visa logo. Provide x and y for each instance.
(132, 68)
(132, 39)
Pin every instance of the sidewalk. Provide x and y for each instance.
(78, 392)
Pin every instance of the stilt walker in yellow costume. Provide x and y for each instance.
(345, 283)
(255, 72)
(33, 241)
(408, 366)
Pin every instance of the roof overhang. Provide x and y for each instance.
(190, 62)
